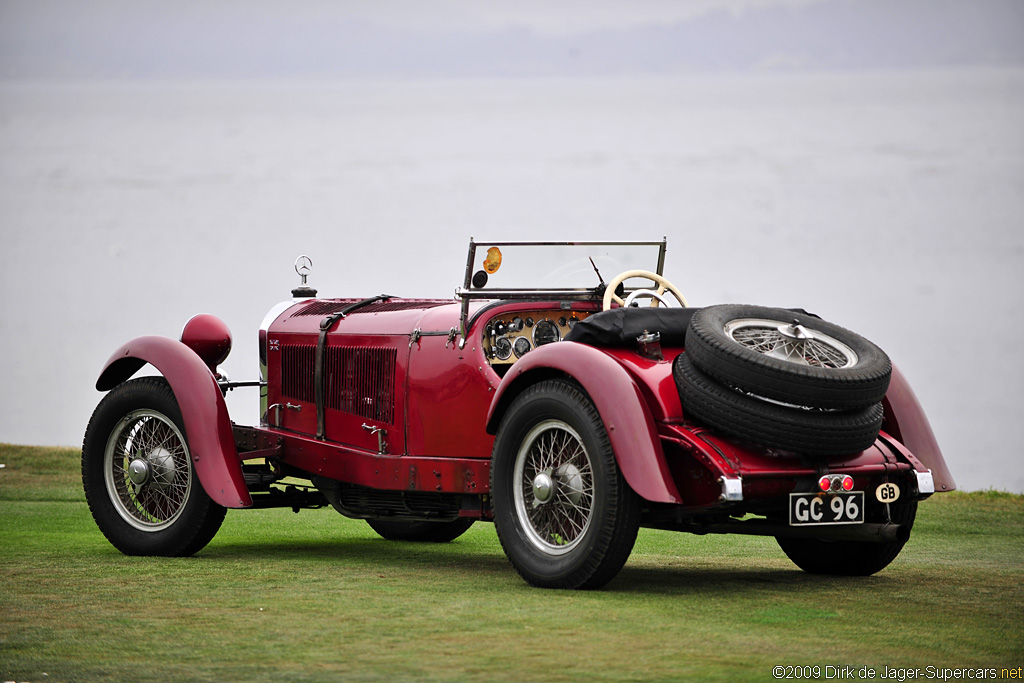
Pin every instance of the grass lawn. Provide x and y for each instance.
(314, 596)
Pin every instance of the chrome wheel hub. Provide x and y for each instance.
(554, 493)
(138, 471)
(795, 331)
(543, 489)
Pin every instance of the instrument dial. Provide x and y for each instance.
(502, 349)
(545, 332)
(521, 346)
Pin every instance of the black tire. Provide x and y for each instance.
(845, 558)
(769, 424)
(837, 369)
(584, 530)
(138, 476)
(420, 532)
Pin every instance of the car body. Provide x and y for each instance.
(553, 405)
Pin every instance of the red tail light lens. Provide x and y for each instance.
(835, 482)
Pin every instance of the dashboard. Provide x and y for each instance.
(509, 337)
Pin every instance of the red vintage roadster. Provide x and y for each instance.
(568, 410)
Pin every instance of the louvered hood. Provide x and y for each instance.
(386, 316)
(335, 367)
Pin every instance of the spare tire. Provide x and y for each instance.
(813, 432)
(787, 356)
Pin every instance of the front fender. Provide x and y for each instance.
(905, 420)
(618, 400)
(207, 425)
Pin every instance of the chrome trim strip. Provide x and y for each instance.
(273, 314)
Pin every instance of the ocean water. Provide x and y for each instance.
(890, 203)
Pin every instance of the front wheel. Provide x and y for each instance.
(844, 558)
(565, 516)
(138, 475)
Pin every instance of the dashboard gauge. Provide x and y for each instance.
(521, 346)
(529, 321)
(517, 324)
(502, 349)
(545, 332)
(572, 322)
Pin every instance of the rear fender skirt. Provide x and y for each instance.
(207, 424)
(905, 420)
(619, 401)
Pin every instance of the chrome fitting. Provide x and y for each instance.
(925, 482)
(732, 489)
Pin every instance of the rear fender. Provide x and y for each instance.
(906, 421)
(624, 412)
(207, 425)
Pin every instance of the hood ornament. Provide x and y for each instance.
(303, 266)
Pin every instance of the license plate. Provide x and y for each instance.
(807, 509)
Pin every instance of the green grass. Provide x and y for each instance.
(283, 597)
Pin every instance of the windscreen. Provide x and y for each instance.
(556, 266)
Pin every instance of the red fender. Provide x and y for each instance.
(905, 420)
(618, 400)
(207, 425)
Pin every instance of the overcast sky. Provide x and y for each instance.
(222, 39)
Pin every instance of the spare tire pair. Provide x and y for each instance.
(782, 378)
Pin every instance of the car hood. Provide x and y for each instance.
(391, 316)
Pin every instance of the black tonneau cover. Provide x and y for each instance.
(621, 326)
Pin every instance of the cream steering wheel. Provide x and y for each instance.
(655, 295)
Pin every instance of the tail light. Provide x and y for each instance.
(835, 482)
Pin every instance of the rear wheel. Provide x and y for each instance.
(422, 532)
(565, 516)
(138, 475)
(844, 558)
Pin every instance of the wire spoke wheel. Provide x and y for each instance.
(147, 470)
(138, 475)
(793, 343)
(565, 516)
(555, 495)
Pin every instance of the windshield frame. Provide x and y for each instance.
(467, 293)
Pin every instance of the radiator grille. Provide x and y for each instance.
(361, 381)
(297, 364)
